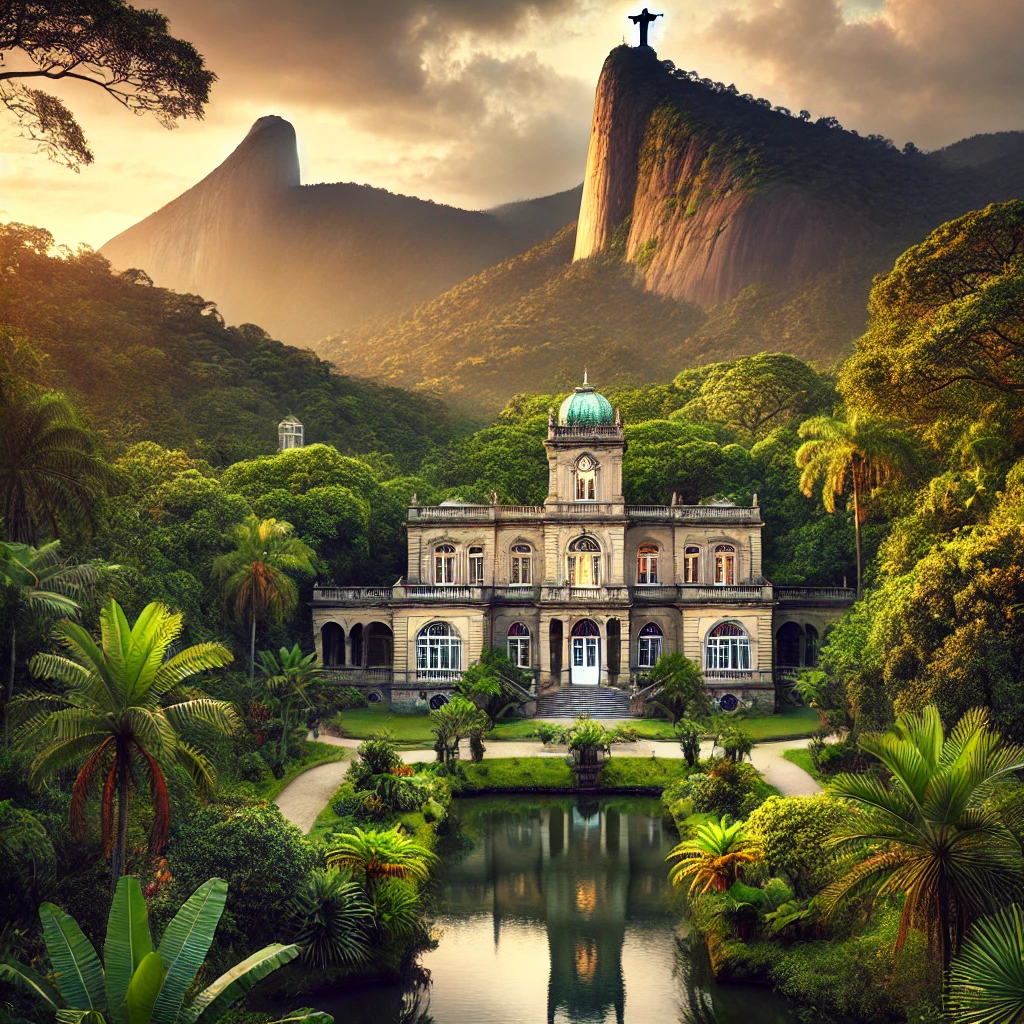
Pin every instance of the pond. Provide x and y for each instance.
(559, 910)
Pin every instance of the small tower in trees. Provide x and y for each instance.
(289, 434)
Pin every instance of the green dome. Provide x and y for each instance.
(585, 408)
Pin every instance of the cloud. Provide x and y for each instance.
(931, 71)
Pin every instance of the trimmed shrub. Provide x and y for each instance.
(252, 768)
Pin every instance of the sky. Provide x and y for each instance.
(479, 102)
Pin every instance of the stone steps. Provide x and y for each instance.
(573, 701)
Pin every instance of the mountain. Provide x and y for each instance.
(303, 261)
(711, 226)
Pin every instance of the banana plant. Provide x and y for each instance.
(135, 983)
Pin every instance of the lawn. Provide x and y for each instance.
(554, 773)
(801, 757)
(413, 731)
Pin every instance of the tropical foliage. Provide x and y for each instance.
(379, 855)
(986, 978)
(713, 857)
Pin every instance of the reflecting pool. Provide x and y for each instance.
(559, 910)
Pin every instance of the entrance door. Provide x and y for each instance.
(586, 654)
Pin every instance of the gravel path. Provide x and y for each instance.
(306, 796)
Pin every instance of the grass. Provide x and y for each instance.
(642, 771)
(413, 731)
(554, 773)
(801, 757)
(314, 755)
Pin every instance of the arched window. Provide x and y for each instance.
(727, 649)
(647, 564)
(519, 645)
(521, 568)
(649, 647)
(691, 564)
(438, 652)
(725, 565)
(476, 567)
(583, 567)
(586, 479)
(444, 564)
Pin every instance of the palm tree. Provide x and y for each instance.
(122, 714)
(254, 577)
(47, 467)
(332, 917)
(379, 855)
(41, 586)
(453, 721)
(930, 834)
(986, 978)
(136, 982)
(288, 675)
(712, 856)
(867, 451)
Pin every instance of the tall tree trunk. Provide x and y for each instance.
(9, 686)
(252, 650)
(856, 527)
(119, 860)
(283, 748)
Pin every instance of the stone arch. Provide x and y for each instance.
(379, 645)
(332, 640)
(789, 643)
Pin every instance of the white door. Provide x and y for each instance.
(586, 660)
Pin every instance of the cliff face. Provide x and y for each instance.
(708, 192)
(303, 261)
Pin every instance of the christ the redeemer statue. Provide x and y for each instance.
(643, 19)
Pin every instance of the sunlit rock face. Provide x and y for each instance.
(709, 192)
(305, 261)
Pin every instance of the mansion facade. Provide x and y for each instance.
(582, 591)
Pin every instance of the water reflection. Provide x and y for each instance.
(560, 910)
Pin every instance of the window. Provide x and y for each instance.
(586, 479)
(519, 645)
(650, 646)
(728, 649)
(584, 563)
(476, 567)
(691, 565)
(521, 569)
(444, 564)
(725, 565)
(438, 652)
(647, 564)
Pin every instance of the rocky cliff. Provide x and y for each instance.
(708, 192)
(303, 261)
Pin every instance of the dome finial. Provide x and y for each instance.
(584, 376)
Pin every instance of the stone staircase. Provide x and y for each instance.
(572, 701)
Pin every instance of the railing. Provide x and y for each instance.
(584, 508)
(738, 675)
(719, 513)
(473, 513)
(356, 674)
(658, 592)
(361, 595)
(526, 594)
(733, 592)
(426, 592)
(586, 430)
(828, 595)
(444, 675)
(593, 595)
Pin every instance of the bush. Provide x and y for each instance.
(832, 758)
(724, 787)
(253, 768)
(263, 858)
(793, 831)
(548, 732)
(377, 756)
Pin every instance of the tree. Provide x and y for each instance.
(47, 465)
(331, 917)
(39, 586)
(689, 733)
(139, 984)
(712, 857)
(737, 743)
(680, 692)
(254, 577)
(454, 721)
(494, 684)
(986, 978)
(123, 714)
(288, 676)
(378, 855)
(862, 449)
(935, 839)
(755, 393)
(128, 53)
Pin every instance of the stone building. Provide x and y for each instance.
(585, 592)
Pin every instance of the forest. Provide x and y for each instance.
(140, 484)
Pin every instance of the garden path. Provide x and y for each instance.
(306, 796)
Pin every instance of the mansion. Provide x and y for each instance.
(583, 591)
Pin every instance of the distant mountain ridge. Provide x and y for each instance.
(302, 261)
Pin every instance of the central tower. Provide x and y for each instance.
(585, 445)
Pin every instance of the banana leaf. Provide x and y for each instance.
(80, 1017)
(144, 988)
(306, 1015)
(27, 979)
(128, 943)
(184, 946)
(76, 966)
(214, 1001)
